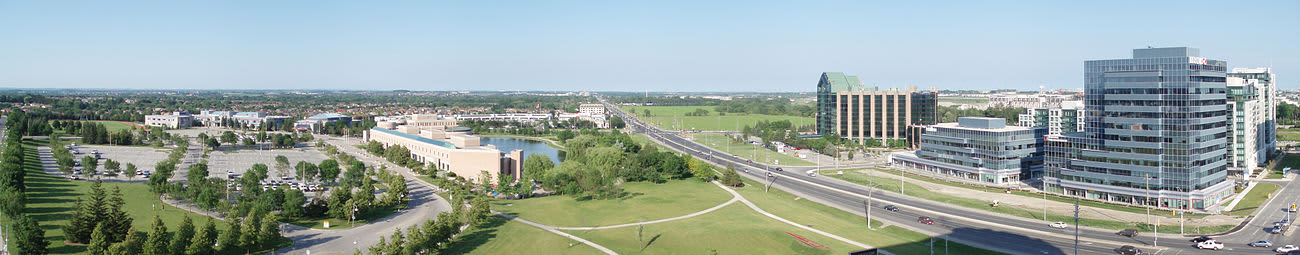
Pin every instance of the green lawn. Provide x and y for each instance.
(1288, 136)
(113, 126)
(734, 229)
(50, 200)
(502, 236)
(835, 221)
(745, 150)
(643, 201)
(674, 118)
(891, 184)
(1254, 199)
(1288, 160)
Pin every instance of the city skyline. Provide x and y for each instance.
(628, 46)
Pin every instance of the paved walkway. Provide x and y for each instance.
(1055, 207)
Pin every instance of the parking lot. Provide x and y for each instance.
(241, 160)
(144, 158)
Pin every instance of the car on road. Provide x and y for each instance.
(891, 208)
(1058, 224)
(1261, 243)
(1201, 239)
(1210, 245)
(1287, 248)
(769, 174)
(1128, 250)
(1274, 230)
(1128, 232)
(778, 169)
(925, 220)
(812, 174)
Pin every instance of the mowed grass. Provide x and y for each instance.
(113, 126)
(502, 236)
(891, 184)
(51, 201)
(674, 118)
(746, 150)
(642, 202)
(1288, 160)
(1254, 199)
(1288, 136)
(735, 229)
(839, 222)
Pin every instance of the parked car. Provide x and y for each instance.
(891, 208)
(1058, 224)
(1128, 232)
(1261, 243)
(1210, 245)
(925, 220)
(1287, 248)
(1128, 250)
(1201, 239)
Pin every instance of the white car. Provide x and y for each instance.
(1287, 248)
(1058, 224)
(1210, 245)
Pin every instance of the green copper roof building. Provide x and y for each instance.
(850, 110)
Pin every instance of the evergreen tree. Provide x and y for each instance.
(228, 242)
(252, 231)
(81, 225)
(131, 245)
(203, 241)
(119, 222)
(98, 240)
(29, 237)
(184, 234)
(159, 240)
(269, 232)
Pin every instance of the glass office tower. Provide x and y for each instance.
(1155, 133)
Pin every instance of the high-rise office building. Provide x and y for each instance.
(847, 108)
(1252, 103)
(1155, 133)
(1063, 117)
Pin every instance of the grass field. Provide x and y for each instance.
(964, 100)
(502, 236)
(1254, 199)
(835, 221)
(643, 201)
(1288, 136)
(114, 126)
(674, 118)
(1292, 161)
(745, 150)
(734, 229)
(891, 184)
(50, 200)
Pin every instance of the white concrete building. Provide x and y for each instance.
(1251, 120)
(449, 148)
(1064, 117)
(592, 109)
(174, 120)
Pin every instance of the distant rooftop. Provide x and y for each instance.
(1167, 52)
(416, 137)
(327, 116)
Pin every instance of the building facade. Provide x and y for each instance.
(1155, 133)
(847, 108)
(315, 121)
(1252, 88)
(1065, 117)
(173, 120)
(449, 148)
(592, 109)
(978, 149)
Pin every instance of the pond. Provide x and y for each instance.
(530, 147)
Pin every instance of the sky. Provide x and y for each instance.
(714, 46)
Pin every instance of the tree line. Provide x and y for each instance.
(27, 235)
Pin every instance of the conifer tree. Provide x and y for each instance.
(203, 240)
(98, 240)
(183, 236)
(159, 240)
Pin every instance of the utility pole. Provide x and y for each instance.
(1045, 201)
(1076, 225)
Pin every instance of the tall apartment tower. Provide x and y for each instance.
(1155, 133)
(1060, 118)
(847, 108)
(1252, 88)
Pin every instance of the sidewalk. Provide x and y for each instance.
(1057, 207)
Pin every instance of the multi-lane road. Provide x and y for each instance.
(1009, 234)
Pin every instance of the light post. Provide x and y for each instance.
(352, 221)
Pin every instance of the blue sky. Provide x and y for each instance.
(616, 45)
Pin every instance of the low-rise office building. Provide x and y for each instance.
(311, 123)
(174, 120)
(449, 148)
(257, 119)
(592, 109)
(979, 149)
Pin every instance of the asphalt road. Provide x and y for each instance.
(977, 228)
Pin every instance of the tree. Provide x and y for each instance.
(29, 237)
(252, 234)
(159, 240)
(203, 240)
(282, 165)
(293, 202)
(198, 173)
(356, 172)
(616, 122)
(213, 143)
(98, 240)
(564, 135)
(132, 244)
(228, 137)
(536, 166)
(731, 178)
(228, 241)
(112, 165)
(90, 163)
(119, 222)
(184, 235)
(130, 169)
(329, 170)
(338, 202)
(270, 231)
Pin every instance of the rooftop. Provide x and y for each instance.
(327, 116)
(416, 137)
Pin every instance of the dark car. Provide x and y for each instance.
(1128, 250)
(925, 220)
(778, 169)
(1128, 232)
(1201, 239)
(891, 208)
